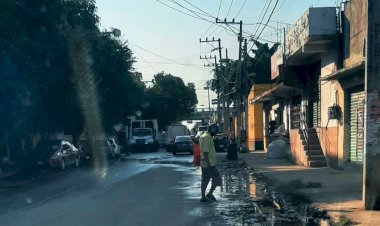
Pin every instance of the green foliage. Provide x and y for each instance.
(170, 99)
(37, 91)
(258, 68)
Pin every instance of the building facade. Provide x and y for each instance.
(318, 93)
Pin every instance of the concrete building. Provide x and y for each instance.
(319, 93)
(298, 99)
(349, 83)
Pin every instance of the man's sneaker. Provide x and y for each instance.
(211, 197)
(205, 200)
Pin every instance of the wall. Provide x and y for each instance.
(296, 148)
(354, 31)
(331, 131)
(313, 25)
(255, 118)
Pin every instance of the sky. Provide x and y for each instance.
(163, 39)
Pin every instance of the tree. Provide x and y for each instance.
(169, 99)
(258, 68)
(38, 92)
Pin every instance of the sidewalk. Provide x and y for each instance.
(340, 193)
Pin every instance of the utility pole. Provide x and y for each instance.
(228, 103)
(222, 84)
(220, 78)
(208, 85)
(246, 94)
(238, 96)
(371, 166)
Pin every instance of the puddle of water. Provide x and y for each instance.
(243, 199)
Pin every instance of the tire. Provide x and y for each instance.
(63, 165)
(77, 162)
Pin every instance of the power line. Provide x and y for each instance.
(196, 16)
(245, 1)
(270, 16)
(147, 62)
(229, 9)
(279, 8)
(161, 62)
(198, 8)
(220, 4)
(207, 30)
(261, 21)
(166, 58)
(195, 13)
(261, 14)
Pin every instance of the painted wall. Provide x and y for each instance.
(331, 94)
(296, 148)
(354, 31)
(255, 118)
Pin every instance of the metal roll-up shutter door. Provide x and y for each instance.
(357, 126)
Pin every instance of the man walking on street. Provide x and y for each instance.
(208, 165)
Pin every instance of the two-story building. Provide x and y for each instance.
(319, 92)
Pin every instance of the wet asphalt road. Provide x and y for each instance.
(144, 189)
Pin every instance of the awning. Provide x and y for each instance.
(345, 72)
(279, 90)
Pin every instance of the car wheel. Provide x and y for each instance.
(77, 162)
(63, 164)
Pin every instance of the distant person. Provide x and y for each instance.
(208, 165)
(196, 153)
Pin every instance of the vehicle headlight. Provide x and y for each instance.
(149, 140)
(132, 141)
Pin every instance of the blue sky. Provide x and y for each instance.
(163, 39)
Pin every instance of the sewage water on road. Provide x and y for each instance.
(244, 199)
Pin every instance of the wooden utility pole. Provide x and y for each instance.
(222, 84)
(371, 166)
(238, 85)
(227, 96)
(246, 93)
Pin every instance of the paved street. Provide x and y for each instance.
(145, 189)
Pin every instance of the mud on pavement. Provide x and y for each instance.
(247, 198)
(254, 200)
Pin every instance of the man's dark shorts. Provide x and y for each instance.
(211, 173)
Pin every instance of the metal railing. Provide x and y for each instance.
(304, 127)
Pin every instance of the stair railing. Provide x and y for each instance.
(304, 127)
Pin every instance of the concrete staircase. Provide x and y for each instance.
(313, 149)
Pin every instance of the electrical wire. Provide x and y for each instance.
(262, 19)
(196, 16)
(279, 8)
(229, 9)
(208, 29)
(220, 4)
(195, 13)
(245, 1)
(168, 59)
(261, 14)
(199, 8)
(151, 66)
